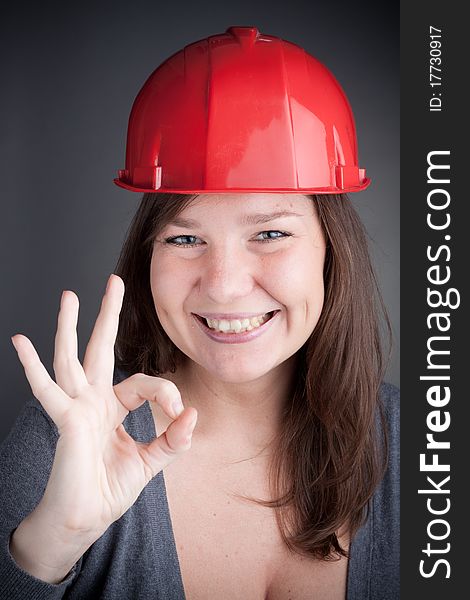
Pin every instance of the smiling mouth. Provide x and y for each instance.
(236, 325)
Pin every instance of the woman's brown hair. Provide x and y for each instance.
(332, 450)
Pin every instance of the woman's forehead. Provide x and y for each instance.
(242, 203)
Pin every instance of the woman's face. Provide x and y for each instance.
(237, 281)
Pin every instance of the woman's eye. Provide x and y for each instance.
(183, 240)
(190, 241)
(271, 235)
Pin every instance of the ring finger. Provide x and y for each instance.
(69, 373)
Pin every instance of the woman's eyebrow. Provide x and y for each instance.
(253, 219)
(181, 222)
(257, 218)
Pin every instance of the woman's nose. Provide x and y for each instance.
(228, 275)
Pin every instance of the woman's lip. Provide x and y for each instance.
(232, 316)
(234, 338)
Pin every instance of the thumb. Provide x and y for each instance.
(172, 443)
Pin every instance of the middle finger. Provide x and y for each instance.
(98, 362)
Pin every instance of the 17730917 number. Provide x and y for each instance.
(435, 70)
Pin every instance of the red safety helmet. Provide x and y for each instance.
(242, 112)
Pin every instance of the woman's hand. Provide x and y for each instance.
(98, 470)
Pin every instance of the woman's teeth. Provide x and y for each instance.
(236, 325)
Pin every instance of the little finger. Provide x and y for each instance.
(53, 399)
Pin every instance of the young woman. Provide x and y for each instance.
(228, 434)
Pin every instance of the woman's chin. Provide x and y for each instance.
(234, 372)
(230, 366)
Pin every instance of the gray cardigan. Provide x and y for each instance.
(136, 558)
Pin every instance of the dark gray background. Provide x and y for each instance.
(69, 76)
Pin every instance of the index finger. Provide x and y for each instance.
(98, 362)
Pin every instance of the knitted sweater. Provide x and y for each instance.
(136, 558)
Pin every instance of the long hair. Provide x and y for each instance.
(332, 450)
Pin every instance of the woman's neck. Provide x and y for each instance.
(247, 414)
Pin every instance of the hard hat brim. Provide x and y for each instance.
(328, 190)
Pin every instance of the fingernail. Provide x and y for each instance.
(192, 424)
(109, 281)
(177, 407)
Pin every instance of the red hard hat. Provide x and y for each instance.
(242, 112)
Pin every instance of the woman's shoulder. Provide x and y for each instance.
(390, 401)
(390, 404)
(374, 570)
(390, 395)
